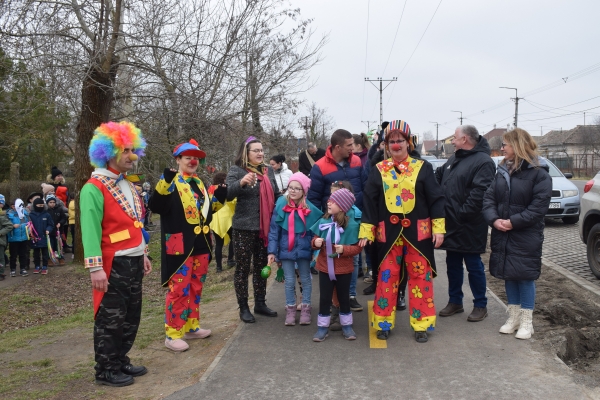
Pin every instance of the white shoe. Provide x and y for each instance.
(526, 329)
(514, 319)
(177, 345)
(199, 334)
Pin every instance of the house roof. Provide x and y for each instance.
(578, 135)
(495, 132)
(448, 148)
(428, 145)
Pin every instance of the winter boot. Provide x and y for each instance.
(514, 319)
(260, 307)
(526, 329)
(290, 315)
(335, 319)
(347, 331)
(245, 314)
(401, 302)
(305, 314)
(323, 328)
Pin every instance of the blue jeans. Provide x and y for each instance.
(289, 271)
(354, 277)
(455, 271)
(520, 293)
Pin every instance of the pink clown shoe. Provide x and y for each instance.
(199, 334)
(177, 345)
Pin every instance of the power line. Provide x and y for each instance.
(394, 42)
(563, 115)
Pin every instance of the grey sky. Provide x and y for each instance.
(470, 49)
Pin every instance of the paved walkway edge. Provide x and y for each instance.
(575, 278)
(231, 339)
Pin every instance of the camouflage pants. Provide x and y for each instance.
(119, 314)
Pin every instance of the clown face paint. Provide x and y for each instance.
(187, 164)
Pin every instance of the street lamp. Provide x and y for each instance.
(516, 102)
(461, 118)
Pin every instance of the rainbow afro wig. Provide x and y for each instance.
(111, 138)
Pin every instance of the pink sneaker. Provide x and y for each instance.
(305, 314)
(199, 334)
(290, 315)
(177, 345)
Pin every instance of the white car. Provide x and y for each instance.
(589, 228)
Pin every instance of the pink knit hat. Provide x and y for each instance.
(343, 198)
(46, 188)
(302, 179)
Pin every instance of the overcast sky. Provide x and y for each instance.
(470, 49)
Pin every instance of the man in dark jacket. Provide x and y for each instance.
(464, 179)
(309, 157)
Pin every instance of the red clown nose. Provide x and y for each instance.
(395, 147)
(193, 163)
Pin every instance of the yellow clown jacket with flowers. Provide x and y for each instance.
(403, 200)
(186, 210)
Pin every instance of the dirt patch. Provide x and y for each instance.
(566, 320)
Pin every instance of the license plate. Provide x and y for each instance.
(554, 205)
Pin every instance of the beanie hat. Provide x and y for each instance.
(50, 197)
(2, 199)
(55, 172)
(38, 202)
(111, 138)
(343, 198)
(302, 180)
(33, 194)
(47, 188)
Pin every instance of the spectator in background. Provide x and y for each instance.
(32, 196)
(5, 227)
(309, 157)
(17, 238)
(222, 234)
(361, 147)
(282, 172)
(72, 221)
(59, 220)
(43, 225)
(56, 179)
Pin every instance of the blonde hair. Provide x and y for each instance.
(523, 145)
(301, 202)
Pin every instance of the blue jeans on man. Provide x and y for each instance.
(476, 274)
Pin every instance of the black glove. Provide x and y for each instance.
(169, 175)
(221, 193)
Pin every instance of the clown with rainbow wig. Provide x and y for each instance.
(114, 245)
(186, 210)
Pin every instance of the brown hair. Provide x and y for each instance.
(361, 139)
(336, 185)
(242, 156)
(219, 178)
(398, 133)
(524, 146)
(338, 138)
(341, 218)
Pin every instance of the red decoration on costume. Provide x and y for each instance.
(406, 222)
(394, 219)
(192, 141)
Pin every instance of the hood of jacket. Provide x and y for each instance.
(482, 146)
(283, 168)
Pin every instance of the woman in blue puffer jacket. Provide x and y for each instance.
(296, 214)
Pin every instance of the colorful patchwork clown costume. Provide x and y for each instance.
(185, 209)
(114, 246)
(403, 206)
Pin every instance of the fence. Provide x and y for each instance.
(580, 165)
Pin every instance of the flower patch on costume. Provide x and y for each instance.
(385, 275)
(382, 302)
(418, 267)
(384, 325)
(174, 243)
(416, 314)
(429, 301)
(191, 212)
(183, 270)
(424, 226)
(417, 293)
(407, 195)
(380, 232)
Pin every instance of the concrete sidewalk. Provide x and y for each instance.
(464, 360)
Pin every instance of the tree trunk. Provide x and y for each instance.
(97, 96)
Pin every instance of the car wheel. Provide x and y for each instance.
(593, 250)
(570, 220)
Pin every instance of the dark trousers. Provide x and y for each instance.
(18, 249)
(342, 285)
(250, 251)
(219, 243)
(119, 314)
(455, 271)
(40, 254)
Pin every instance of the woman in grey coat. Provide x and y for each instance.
(253, 184)
(515, 205)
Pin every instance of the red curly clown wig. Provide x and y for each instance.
(111, 138)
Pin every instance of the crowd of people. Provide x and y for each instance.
(355, 199)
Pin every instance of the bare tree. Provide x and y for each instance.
(317, 124)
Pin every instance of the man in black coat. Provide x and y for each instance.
(308, 158)
(464, 179)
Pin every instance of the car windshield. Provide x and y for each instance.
(554, 172)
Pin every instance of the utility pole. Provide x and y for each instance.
(516, 99)
(381, 89)
(437, 143)
(306, 130)
(368, 123)
(461, 118)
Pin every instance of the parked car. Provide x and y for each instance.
(565, 195)
(589, 229)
